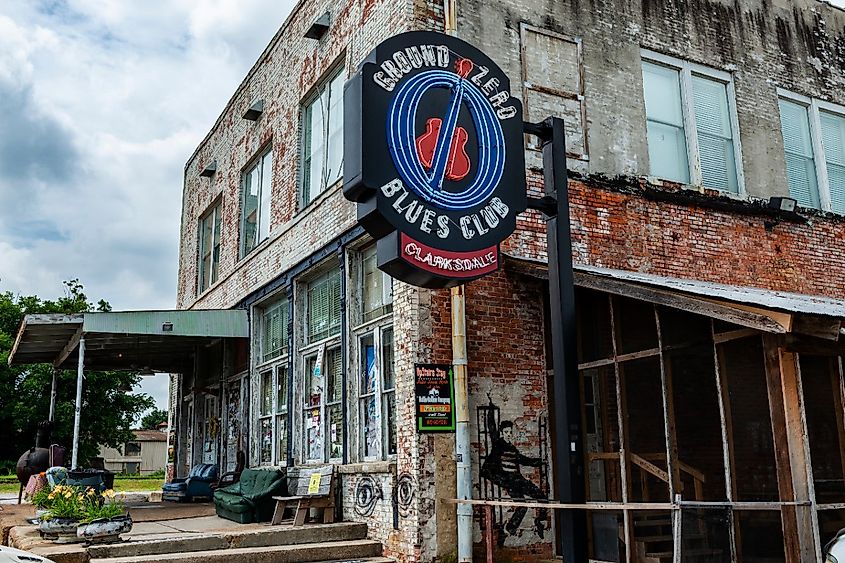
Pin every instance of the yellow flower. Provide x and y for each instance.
(108, 493)
(68, 494)
(90, 492)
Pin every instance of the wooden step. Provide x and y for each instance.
(301, 553)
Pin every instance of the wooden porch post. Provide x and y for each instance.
(791, 450)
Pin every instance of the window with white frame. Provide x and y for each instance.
(814, 149)
(692, 125)
(377, 290)
(376, 376)
(322, 138)
(273, 384)
(209, 247)
(256, 189)
(322, 377)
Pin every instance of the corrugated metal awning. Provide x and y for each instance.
(162, 341)
(762, 309)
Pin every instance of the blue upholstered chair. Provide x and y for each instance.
(196, 485)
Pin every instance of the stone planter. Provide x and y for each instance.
(60, 530)
(104, 530)
(39, 512)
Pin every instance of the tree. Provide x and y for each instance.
(108, 407)
(152, 419)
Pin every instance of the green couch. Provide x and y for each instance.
(250, 499)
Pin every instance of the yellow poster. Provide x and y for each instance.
(314, 484)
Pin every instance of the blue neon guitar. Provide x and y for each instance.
(442, 148)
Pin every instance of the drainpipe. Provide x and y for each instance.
(462, 454)
(459, 361)
(52, 415)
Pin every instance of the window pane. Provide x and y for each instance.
(335, 415)
(324, 307)
(275, 337)
(667, 146)
(389, 404)
(266, 438)
(662, 89)
(798, 149)
(334, 164)
(313, 142)
(282, 389)
(377, 294)
(266, 396)
(312, 419)
(282, 439)
(371, 426)
(204, 253)
(715, 141)
(368, 365)
(833, 139)
(266, 192)
(215, 252)
(387, 358)
(334, 372)
(249, 209)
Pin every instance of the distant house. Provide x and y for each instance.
(147, 453)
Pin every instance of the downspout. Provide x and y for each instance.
(459, 361)
(462, 453)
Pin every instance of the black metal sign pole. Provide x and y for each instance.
(568, 458)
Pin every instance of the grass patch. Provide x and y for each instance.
(120, 485)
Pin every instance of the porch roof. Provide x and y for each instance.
(156, 341)
(762, 309)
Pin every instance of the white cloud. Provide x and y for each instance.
(101, 104)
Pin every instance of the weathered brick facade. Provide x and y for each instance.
(621, 219)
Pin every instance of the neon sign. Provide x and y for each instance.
(433, 150)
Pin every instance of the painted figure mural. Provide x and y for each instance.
(502, 467)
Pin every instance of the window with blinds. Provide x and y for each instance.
(833, 140)
(691, 123)
(814, 151)
(274, 338)
(715, 138)
(323, 316)
(798, 149)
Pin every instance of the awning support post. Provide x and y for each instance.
(78, 405)
(568, 452)
(52, 415)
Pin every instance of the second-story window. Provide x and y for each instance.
(692, 126)
(209, 251)
(377, 290)
(255, 204)
(322, 150)
(814, 148)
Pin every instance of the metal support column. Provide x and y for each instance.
(568, 453)
(52, 416)
(78, 405)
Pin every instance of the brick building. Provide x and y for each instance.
(709, 321)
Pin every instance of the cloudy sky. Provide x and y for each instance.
(101, 104)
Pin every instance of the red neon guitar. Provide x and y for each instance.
(442, 148)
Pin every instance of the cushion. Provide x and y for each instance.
(174, 487)
(204, 471)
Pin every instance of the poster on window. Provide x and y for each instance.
(435, 397)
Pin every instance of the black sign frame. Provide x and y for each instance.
(434, 157)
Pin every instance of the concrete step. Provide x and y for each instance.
(353, 550)
(208, 541)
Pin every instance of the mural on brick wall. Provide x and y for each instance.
(501, 470)
(367, 495)
(404, 493)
